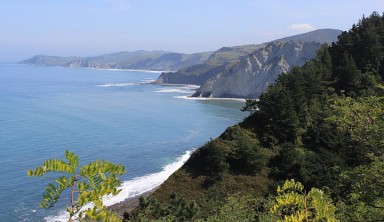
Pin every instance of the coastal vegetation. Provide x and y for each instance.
(87, 186)
(320, 124)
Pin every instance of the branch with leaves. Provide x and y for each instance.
(88, 185)
(293, 204)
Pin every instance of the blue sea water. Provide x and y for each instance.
(98, 114)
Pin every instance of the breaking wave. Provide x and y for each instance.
(134, 187)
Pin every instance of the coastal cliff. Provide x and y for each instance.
(246, 71)
(254, 73)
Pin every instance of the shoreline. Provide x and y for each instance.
(176, 84)
(90, 67)
(210, 98)
(148, 184)
(131, 70)
(129, 204)
(153, 82)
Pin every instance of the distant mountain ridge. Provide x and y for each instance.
(144, 60)
(238, 71)
(223, 58)
(320, 35)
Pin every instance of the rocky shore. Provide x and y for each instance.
(129, 204)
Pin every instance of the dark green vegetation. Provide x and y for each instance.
(321, 124)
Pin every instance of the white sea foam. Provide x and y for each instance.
(134, 187)
(117, 84)
(124, 84)
(192, 86)
(189, 89)
(208, 98)
(173, 90)
(132, 70)
(143, 70)
(147, 80)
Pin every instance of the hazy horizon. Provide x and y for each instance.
(96, 27)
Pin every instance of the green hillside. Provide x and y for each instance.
(230, 54)
(321, 124)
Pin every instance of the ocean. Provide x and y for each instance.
(114, 115)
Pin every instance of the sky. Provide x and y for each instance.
(96, 27)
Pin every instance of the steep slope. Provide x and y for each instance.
(226, 57)
(319, 35)
(310, 126)
(214, 64)
(252, 75)
(145, 60)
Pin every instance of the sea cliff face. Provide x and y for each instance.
(252, 75)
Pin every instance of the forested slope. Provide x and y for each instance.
(321, 124)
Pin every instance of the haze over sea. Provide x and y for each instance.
(98, 114)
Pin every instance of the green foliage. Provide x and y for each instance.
(277, 108)
(293, 203)
(250, 105)
(304, 116)
(177, 210)
(362, 118)
(245, 155)
(89, 184)
(243, 208)
(214, 158)
(316, 124)
(349, 76)
(236, 151)
(363, 186)
(248, 158)
(99, 213)
(289, 162)
(359, 50)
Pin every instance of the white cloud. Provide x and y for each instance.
(301, 27)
